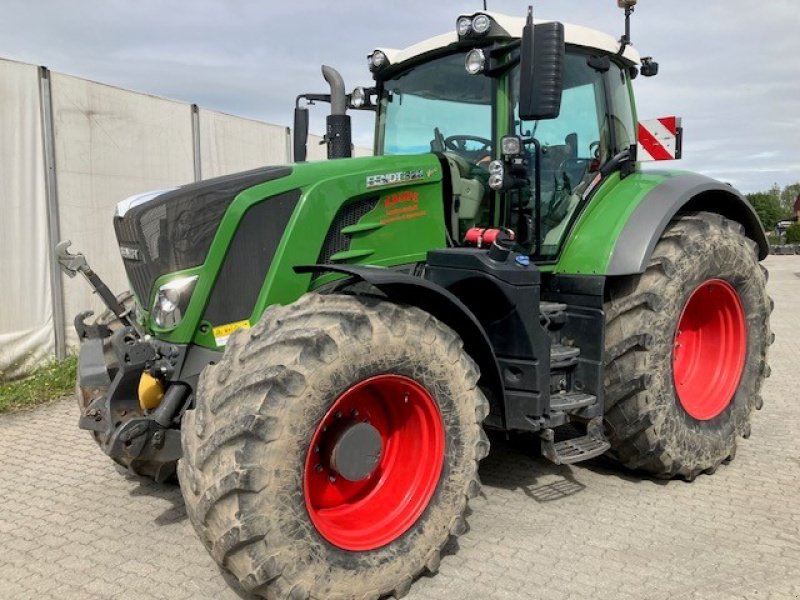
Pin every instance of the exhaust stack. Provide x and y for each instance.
(338, 136)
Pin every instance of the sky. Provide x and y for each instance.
(730, 68)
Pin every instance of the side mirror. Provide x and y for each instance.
(300, 141)
(541, 70)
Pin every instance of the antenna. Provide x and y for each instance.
(484, 5)
(625, 40)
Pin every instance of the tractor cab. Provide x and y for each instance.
(526, 114)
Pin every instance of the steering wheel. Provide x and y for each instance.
(458, 144)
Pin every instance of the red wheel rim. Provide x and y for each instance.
(710, 348)
(367, 514)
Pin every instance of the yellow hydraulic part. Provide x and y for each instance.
(151, 392)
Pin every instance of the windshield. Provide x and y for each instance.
(438, 106)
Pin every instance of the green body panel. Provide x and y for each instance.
(594, 235)
(407, 221)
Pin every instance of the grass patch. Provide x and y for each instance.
(49, 382)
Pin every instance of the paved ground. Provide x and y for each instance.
(71, 526)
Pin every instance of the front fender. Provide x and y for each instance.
(434, 299)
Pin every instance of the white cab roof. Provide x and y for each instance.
(575, 35)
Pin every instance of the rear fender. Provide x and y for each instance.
(682, 193)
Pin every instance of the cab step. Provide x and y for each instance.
(563, 357)
(573, 450)
(569, 401)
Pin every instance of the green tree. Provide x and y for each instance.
(788, 197)
(793, 234)
(768, 207)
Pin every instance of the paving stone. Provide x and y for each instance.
(73, 526)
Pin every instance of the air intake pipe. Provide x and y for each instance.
(339, 130)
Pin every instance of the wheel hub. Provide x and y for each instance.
(374, 462)
(709, 351)
(356, 451)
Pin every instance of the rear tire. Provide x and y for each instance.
(649, 424)
(258, 417)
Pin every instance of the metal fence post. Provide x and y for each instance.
(53, 224)
(198, 172)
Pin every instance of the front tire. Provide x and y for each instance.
(686, 350)
(258, 471)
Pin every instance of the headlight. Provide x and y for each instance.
(475, 61)
(171, 301)
(496, 167)
(497, 175)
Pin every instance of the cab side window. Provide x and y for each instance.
(573, 147)
(622, 109)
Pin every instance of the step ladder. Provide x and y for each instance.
(577, 449)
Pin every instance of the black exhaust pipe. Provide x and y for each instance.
(338, 137)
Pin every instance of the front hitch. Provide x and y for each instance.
(72, 264)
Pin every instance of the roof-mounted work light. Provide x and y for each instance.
(475, 26)
(377, 60)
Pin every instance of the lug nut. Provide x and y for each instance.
(354, 412)
(338, 414)
(332, 478)
(318, 468)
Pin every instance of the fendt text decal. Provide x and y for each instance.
(374, 181)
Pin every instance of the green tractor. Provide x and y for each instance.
(317, 350)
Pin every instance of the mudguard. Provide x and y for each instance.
(685, 192)
(434, 299)
(620, 226)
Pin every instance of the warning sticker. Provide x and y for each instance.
(223, 332)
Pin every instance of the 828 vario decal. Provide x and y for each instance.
(374, 181)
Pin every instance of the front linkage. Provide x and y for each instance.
(119, 372)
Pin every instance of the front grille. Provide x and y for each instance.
(174, 231)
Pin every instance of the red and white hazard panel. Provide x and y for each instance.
(660, 139)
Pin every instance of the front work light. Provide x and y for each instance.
(171, 301)
(464, 26)
(475, 26)
(481, 24)
(511, 145)
(475, 62)
(377, 60)
(358, 99)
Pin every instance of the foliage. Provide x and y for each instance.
(768, 207)
(793, 234)
(789, 196)
(48, 382)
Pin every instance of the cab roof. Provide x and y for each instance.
(575, 35)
